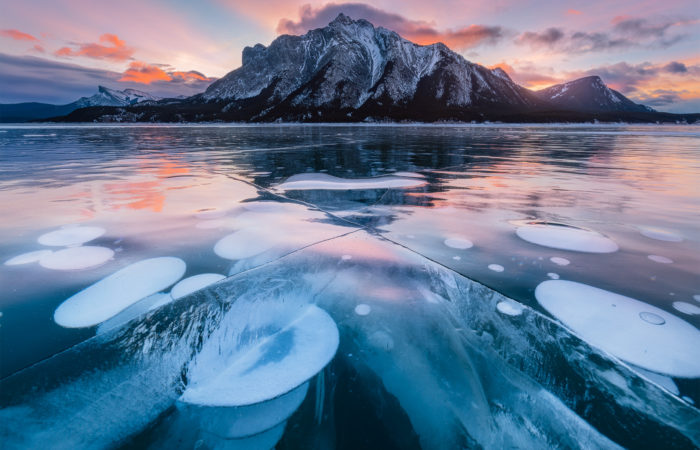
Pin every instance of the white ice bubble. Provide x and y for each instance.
(566, 238)
(686, 308)
(118, 291)
(457, 258)
(244, 244)
(76, 258)
(459, 243)
(560, 261)
(660, 234)
(272, 366)
(553, 276)
(194, 283)
(510, 308)
(238, 422)
(496, 267)
(328, 182)
(660, 259)
(362, 309)
(615, 323)
(696, 297)
(70, 236)
(27, 258)
(346, 257)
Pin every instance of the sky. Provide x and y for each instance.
(56, 51)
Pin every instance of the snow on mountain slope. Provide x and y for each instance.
(588, 94)
(350, 64)
(113, 97)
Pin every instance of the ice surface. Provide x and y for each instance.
(76, 258)
(660, 234)
(67, 236)
(686, 308)
(329, 182)
(194, 283)
(130, 313)
(118, 291)
(566, 238)
(27, 258)
(298, 347)
(612, 322)
(660, 259)
(662, 380)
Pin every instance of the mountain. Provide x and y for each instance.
(588, 94)
(352, 67)
(351, 71)
(22, 112)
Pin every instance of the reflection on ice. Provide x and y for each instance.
(612, 322)
(116, 292)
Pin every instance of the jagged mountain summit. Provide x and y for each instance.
(588, 94)
(20, 112)
(352, 66)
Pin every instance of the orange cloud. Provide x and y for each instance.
(116, 50)
(18, 35)
(574, 12)
(141, 72)
(38, 48)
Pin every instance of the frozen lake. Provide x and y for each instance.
(434, 286)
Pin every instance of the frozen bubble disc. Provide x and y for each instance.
(70, 236)
(633, 331)
(274, 365)
(237, 422)
(27, 258)
(324, 181)
(660, 234)
(194, 283)
(76, 258)
(118, 291)
(566, 238)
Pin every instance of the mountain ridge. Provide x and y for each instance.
(351, 71)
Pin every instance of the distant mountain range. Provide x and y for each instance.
(351, 71)
(23, 112)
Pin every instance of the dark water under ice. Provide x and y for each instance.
(492, 286)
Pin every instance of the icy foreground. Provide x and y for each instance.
(425, 358)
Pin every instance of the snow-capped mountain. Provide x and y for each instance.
(113, 97)
(588, 94)
(21, 112)
(351, 67)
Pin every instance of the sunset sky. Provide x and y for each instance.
(59, 50)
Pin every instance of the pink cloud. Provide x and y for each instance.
(17, 35)
(141, 72)
(418, 31)
(115, 50)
